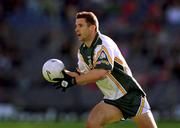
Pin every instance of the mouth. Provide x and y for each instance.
(78, 34)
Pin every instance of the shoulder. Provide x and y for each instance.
(107, 41)
(105, 38)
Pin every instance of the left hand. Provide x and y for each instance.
(65, 82)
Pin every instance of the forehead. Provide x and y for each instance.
(80, 21)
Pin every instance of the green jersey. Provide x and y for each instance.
(104, 54)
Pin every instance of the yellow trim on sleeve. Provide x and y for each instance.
(141, 106)
(118, 61)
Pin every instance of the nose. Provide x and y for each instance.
(76, 29)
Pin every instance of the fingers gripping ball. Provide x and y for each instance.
(53, 69)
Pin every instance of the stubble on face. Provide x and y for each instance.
(82, 29)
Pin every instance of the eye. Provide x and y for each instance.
(78, 26)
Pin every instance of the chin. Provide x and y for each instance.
(81, 39)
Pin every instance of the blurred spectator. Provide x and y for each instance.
(173, 13)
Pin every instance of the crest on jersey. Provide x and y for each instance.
(102, 59)
(103, 55)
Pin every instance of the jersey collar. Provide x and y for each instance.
(94, 41)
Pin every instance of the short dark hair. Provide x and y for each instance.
(90, 18)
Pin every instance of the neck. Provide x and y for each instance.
(89, 41)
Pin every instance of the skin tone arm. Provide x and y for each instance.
(90, 77)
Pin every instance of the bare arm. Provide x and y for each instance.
(73, 74)
(91, 76)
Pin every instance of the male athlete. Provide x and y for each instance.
(100, 61)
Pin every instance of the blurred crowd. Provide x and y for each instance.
(33, 31)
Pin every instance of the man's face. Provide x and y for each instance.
(82, 29)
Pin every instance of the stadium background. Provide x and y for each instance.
(33, 31)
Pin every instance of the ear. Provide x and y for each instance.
(93, 27)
